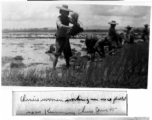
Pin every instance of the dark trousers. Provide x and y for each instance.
(63, 45)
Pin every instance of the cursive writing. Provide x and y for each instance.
(33, 112)
(51, 99)
(73, 103)
(119, 99)
(84, 110)
(49, 111)
(77, 99)
(99, 110)
(25, 99)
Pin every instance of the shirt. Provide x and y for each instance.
(130, 32)
(112, 32)
(62, 23)
(146, 31)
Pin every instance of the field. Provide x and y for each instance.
(128, 68)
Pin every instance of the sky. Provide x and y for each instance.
(40, 15)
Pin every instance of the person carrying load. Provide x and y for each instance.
(63, 33)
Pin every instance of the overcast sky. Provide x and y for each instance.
(38, 15)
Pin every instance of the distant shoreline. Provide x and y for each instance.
(53, 31)
(36, 30)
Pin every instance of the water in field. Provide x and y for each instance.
(31, 46)
(33, 52)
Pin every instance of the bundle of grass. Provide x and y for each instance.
(17, 65)
(85, 57)
(18, 58)
(82, 41)
(75, 17)
(6, 60)
(73, 50)
(51, 50)
(13, 65)
(76, 26)
(83, 49)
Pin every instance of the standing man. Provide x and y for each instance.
(62, 42)
(145, 34)
(130, 34)
(112, 34)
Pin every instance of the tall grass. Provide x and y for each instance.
(127, 69)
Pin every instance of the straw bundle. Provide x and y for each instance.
(74, 17)
(76, 26)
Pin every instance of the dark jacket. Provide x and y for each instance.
(112, 32)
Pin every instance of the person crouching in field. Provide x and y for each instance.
(130, 35)
(95, 44)
(145, 33)
(62, 44)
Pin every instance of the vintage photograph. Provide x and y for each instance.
(75, 45)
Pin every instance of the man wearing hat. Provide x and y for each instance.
(112, 34)
(62, 44)
(130, 34)
(145, 34)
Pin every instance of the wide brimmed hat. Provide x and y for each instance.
(128, 26)
(113, 23)
(65, 8)
(146, 25)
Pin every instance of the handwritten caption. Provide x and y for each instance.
(70, 103)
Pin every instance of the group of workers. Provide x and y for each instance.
(113, 39)
(93, 42)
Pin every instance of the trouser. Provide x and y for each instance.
(131, 39)
(146, 37)
(63, 45)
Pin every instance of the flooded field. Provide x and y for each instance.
(32, 47)
(25, 63)
(33, 51)
(42, 34)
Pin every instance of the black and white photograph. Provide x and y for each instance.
(75, 45)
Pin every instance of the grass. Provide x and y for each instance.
(127, 69)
